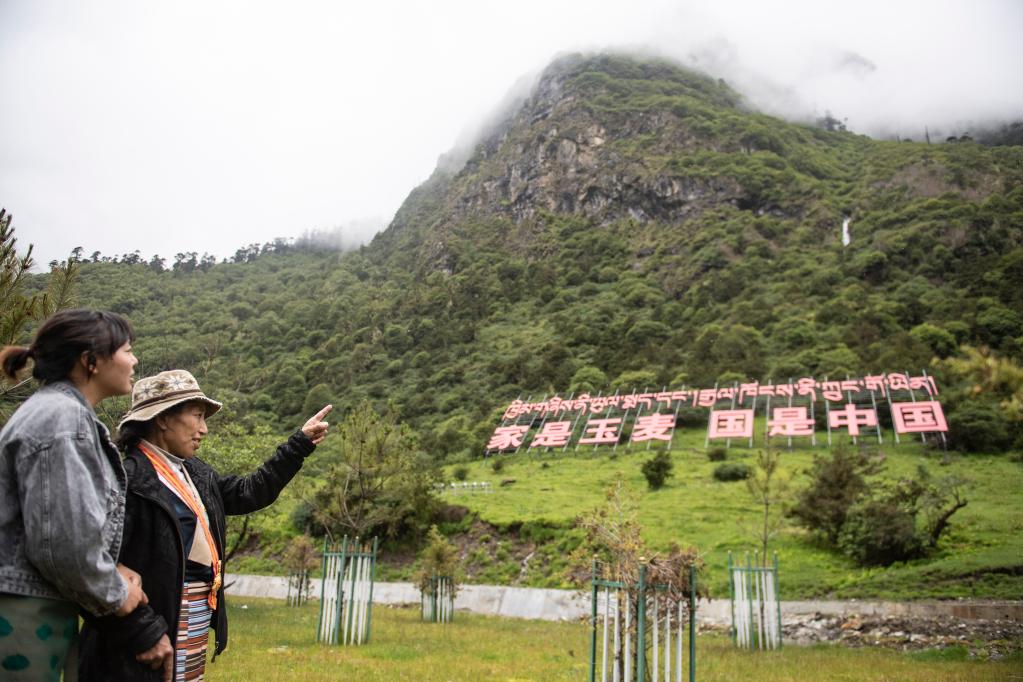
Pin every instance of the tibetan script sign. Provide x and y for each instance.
(795, 409)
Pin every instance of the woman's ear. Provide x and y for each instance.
(87, 359)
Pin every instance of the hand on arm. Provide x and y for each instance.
(135, 594)
(316, 429)
(159, 655)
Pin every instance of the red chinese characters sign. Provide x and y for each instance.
(788, 410)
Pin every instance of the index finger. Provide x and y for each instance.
(323, 413)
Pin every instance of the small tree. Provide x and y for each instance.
(612, 535)
(836, 483)
(901, 521)
(381, 483)
(613, 538)
(300, 558)
(657, 470)
(438, 558)
(876, 524)
(769, 490)
(300, 554)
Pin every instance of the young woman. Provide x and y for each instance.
(62, 491)
(174, 532)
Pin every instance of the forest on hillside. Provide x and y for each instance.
(630, 226)
(479, 292)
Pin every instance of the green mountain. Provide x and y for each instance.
(629, 223)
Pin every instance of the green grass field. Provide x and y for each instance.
(270, 641)
(981, 556)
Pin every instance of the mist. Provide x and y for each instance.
(203, 127)
(345, 237)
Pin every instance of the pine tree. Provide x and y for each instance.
(18, 309)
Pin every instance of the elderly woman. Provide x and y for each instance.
(174, 532)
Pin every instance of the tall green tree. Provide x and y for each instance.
(18, 308)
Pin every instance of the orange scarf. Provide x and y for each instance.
(171, 479)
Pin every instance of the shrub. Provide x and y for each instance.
(836, 483)
(731, 471)
(657, 470)
(301, 517)
(902, 521)
(497, 465)
(977, 427)
(438, 557)
(717, 454)
(879, 533)
(460, 473)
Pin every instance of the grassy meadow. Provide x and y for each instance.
(270, 641)
(541, 493)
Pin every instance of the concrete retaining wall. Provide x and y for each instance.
(544, 604)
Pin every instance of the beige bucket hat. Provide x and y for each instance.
(152, 395)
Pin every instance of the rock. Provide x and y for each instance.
(854, 623)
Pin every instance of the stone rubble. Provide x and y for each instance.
(986, 639)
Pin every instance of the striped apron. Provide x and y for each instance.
(193, 632)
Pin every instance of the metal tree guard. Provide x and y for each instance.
(636, 615)
(756, 610)
(298, 588)
(438, 600)
(346, 593)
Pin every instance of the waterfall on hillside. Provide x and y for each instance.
(845, 232)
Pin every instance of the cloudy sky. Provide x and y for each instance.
(203, 126)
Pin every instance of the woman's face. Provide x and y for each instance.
(113, 375)
(183, 430)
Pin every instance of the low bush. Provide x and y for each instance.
(879, 533)
(731, 471)
(657, 470)
(717, 454)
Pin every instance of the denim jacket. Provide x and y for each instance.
(62, 488)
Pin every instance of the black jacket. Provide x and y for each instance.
(153, 547)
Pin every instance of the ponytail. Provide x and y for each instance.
(12, 360)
